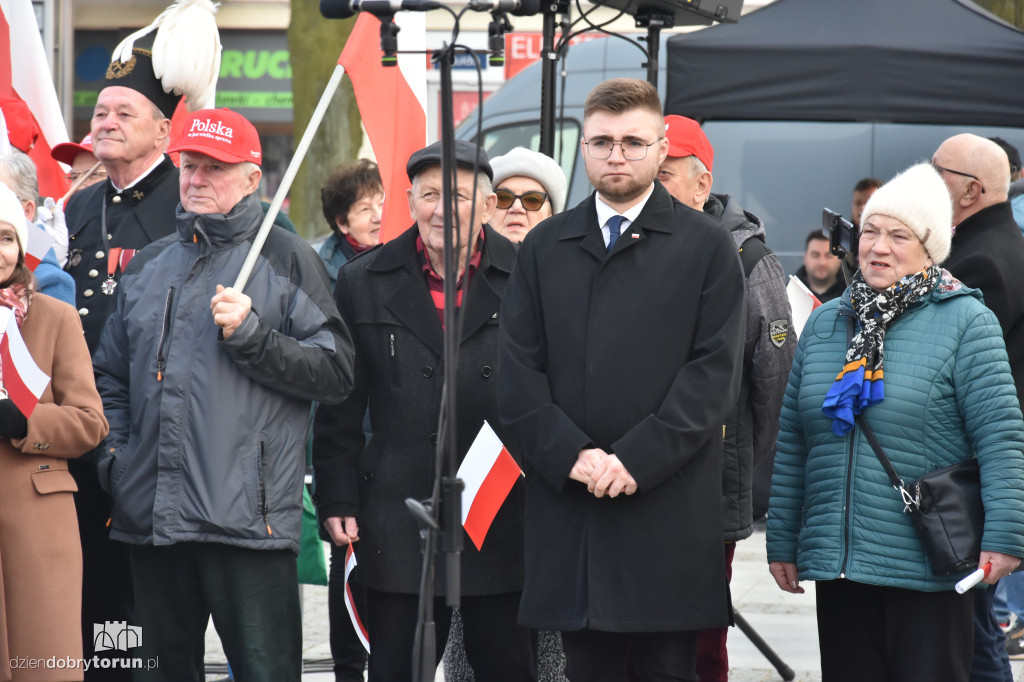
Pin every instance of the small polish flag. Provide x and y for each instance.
(489, 473)
(802, 302)
(350, 605)
(39, 243)
(23, 381)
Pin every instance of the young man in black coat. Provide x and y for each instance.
(391, 297)
(621, 349)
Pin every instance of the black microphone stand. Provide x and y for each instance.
(549, 60)
(446, 499)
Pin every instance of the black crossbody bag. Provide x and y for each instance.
(944, 505)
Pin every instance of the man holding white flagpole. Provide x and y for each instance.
(208, 392)
(392, 299)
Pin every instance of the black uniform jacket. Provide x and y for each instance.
(988, 254)
(384, 300)
(135, 217)
(637, 352)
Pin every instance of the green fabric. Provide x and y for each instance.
(312, 563)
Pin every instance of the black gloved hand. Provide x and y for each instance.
(13, 423)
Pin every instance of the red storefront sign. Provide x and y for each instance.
(523, 49)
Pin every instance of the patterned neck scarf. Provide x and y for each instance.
(16, 297)
(859, 384)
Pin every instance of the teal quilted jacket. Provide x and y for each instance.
(948, 396)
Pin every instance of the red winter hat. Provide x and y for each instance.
(221, 133)
(685, 138)
(66, 152)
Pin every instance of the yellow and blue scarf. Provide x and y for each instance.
(860, 383)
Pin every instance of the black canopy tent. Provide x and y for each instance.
(902, 61)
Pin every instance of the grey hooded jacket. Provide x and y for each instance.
(207, 434)
(768, 353)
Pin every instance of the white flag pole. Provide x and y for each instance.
(289, 177)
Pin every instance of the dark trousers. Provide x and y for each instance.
(346, 649)
(106, 579)
(990, 661)
(883, 634)
(593, 656)
(252, 595)
(712, 654)
(497, 647)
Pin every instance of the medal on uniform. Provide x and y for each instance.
(110, 284)
(116, 257)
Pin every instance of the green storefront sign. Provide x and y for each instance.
(255, 73)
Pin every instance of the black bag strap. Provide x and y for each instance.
(751, 253)
(894, 478)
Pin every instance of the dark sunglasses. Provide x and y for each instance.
(532, 201)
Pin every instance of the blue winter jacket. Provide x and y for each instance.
(948, 395)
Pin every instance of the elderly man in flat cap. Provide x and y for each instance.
(392, 299)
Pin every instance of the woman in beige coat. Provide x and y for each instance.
(40, 554)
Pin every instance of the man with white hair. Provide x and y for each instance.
(987, 254)
(392, 297)
(208, 391)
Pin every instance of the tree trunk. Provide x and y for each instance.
(1011, 11)
(315, 44)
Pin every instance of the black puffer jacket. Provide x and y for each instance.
(768, 351)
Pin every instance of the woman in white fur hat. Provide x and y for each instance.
(943, 395)
(40, 555)
(530, 188)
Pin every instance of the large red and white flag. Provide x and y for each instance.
(489, 472)
(39, 242)
(392, 104)
(350, 605)
(22, 378)
(32, 84)
(802, 301)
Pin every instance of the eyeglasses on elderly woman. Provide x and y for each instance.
(532, 201)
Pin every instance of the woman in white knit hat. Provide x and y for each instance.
(921, 359)
(530, 188)
(40, 555)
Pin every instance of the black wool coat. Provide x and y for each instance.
(136, 216)
(988, 254)
(638, 352)
(384, 300)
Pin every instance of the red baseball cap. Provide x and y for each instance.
(221, 133)
(66, 152)
(685, 138)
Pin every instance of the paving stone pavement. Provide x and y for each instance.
(787, 622)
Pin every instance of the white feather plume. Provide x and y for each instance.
(186, 50)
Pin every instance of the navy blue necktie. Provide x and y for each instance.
(614, 229)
